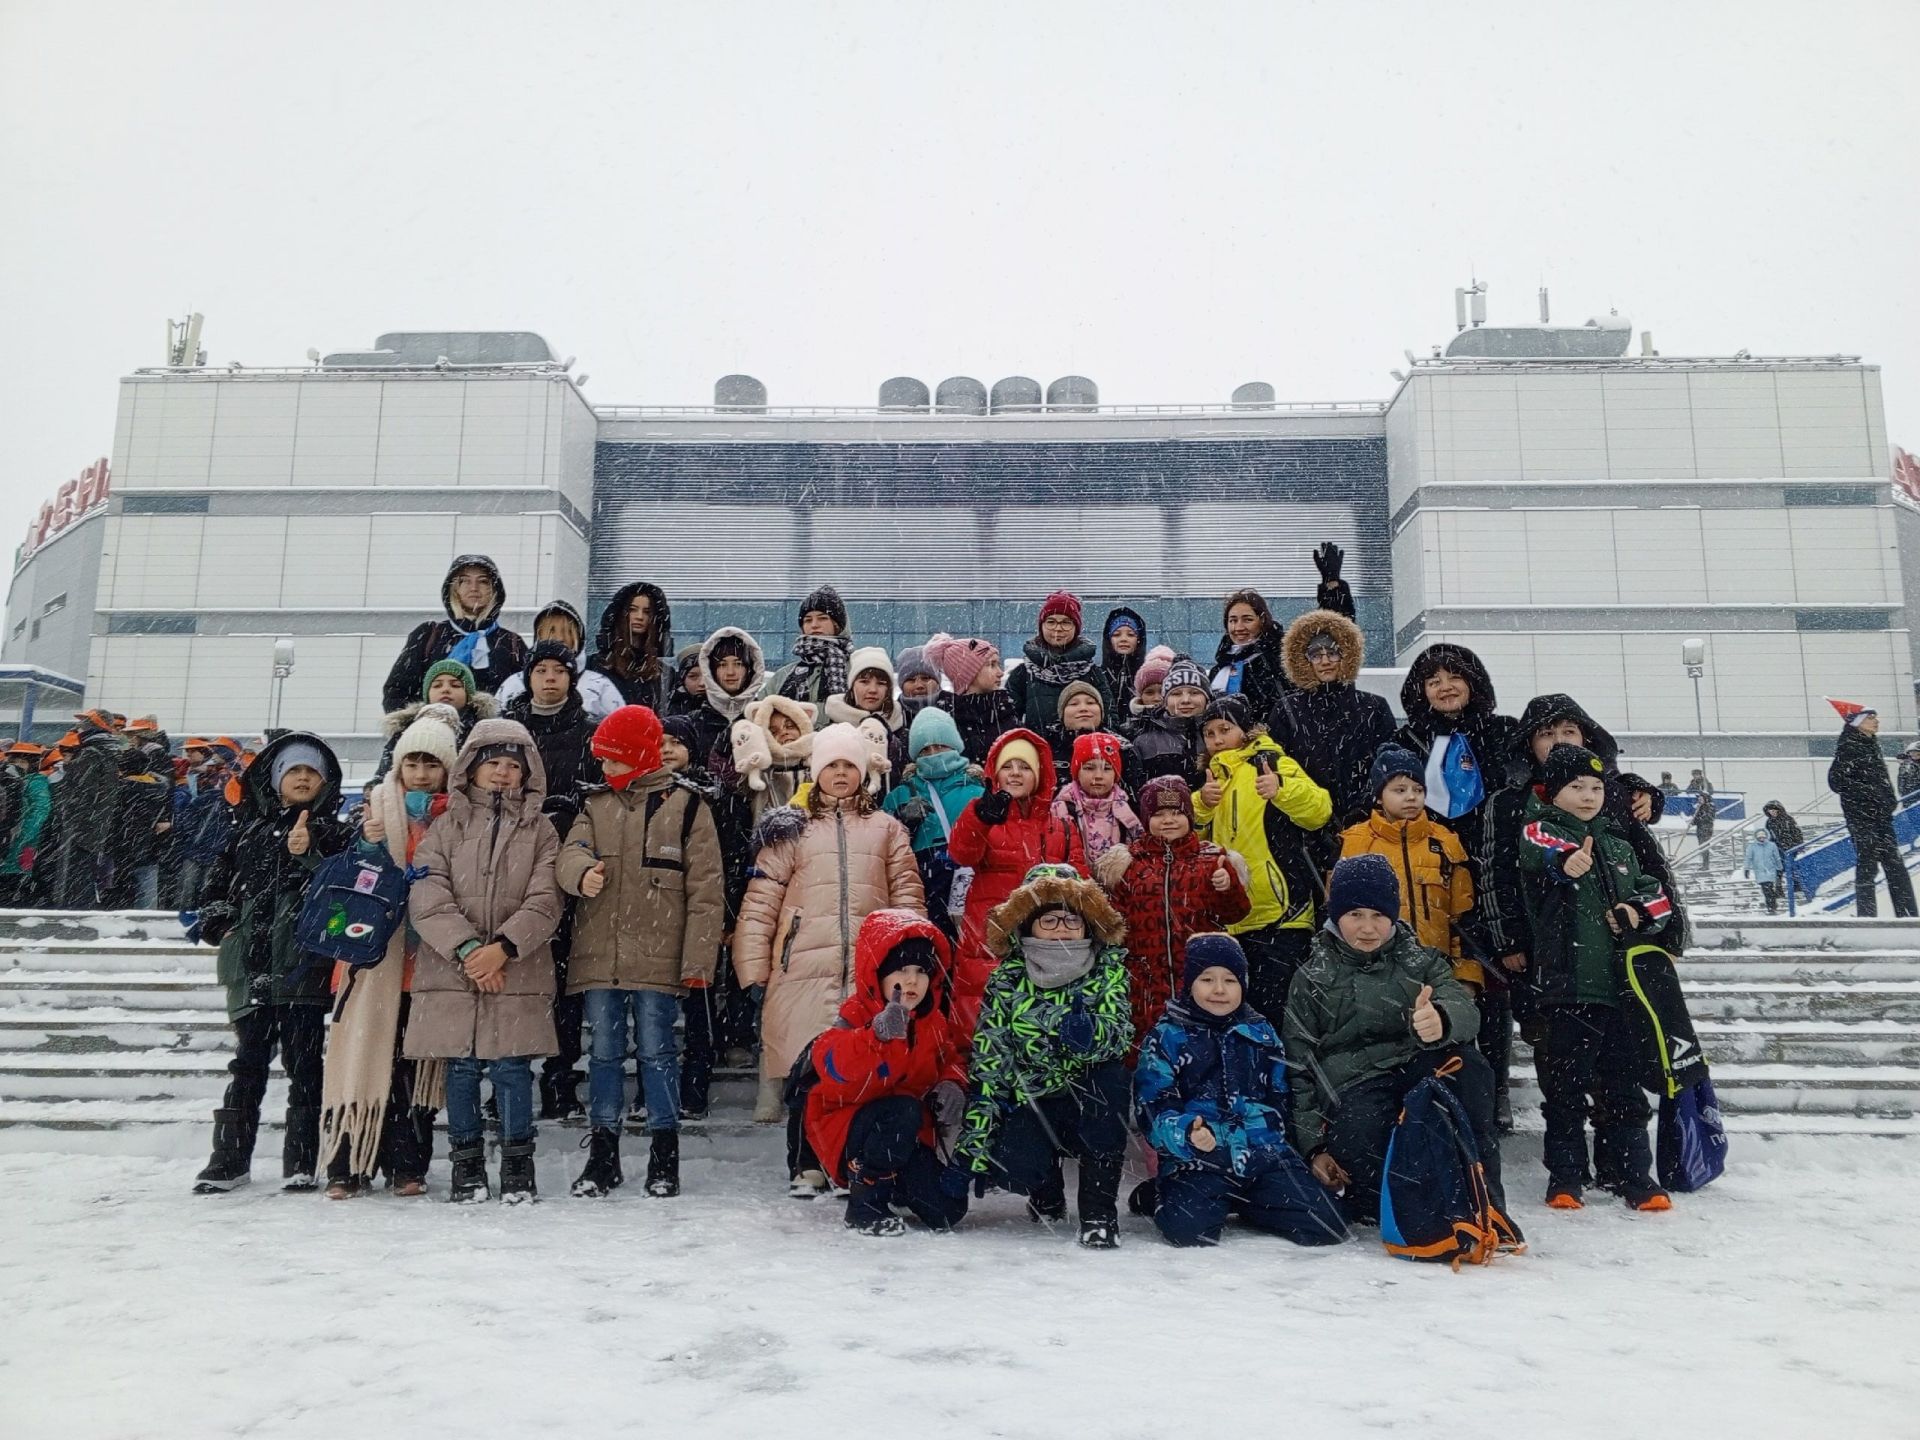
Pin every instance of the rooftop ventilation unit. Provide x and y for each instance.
(903, 392)
(960, 395)
(740, 393)
(1073, 393)
(1254, 395)
(1015, 395)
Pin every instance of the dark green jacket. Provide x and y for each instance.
(1575, 952)
(1349, 1019)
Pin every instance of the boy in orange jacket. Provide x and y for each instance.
(1436, 888)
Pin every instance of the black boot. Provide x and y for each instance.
(1049, 1202)
(300, 1153)
(1099, 1209)
(549, 1096)
(663, 1164)
(1144, 1198)
(869, 1201)
(602, 1175)
(566, 1095)
(232, 1162)
(469, 1185)
(516, 1173)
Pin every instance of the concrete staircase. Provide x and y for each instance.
(113, 1032)
(114, 1036)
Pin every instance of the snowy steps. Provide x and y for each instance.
(113, 1023)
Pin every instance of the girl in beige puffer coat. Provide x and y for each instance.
(818, 873)
(485, 911)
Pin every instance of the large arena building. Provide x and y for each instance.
(1571, 511)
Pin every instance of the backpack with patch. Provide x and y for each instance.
(1434, 1203)
(353, 905)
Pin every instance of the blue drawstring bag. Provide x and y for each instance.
(1692, 1146)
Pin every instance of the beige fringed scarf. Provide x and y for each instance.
(364, 1040)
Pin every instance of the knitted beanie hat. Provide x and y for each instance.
(1183, 673)
(630, 736)
(1062, 602)
(1153, 669)
(547, 650)
(933, 726)
(1166, 792)
(1208, 949)
(1078, 687)
(1017, 750)
(839, 741)
(1566, 763)
(912, 664)
(1231, 708)
(449, 666)
(683, 729)
(1363, 882)
(828, 602)
(434, 731)
(870, 657)
(1095, 745)
(961, 661)
(1391, 760)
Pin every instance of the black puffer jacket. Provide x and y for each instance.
(640, 667)
(1164, 744)
(982, 719)
(252, 894)
(1332, 728)
(1120, 669)
(1263, 678)
(506, 651)
(1858, 776)
(1500, 905)
(1490, 733)
(565, 742)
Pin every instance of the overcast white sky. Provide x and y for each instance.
(1169, 198)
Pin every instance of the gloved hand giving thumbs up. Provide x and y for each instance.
(1428, 1023)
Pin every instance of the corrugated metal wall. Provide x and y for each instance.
(968, 537)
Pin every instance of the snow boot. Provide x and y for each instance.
(516, 1173)
(469, 1182)
(1502, 1111)
(602, 1175)
(881, 1227)
(300, 1154)
(663, 1164)
(1564, 1196)
(769, 1104)
(807, 1185)
(1100, 1234)
(1643, 1194)
(232, 1162)
(1049, 1203)
(869, 1196)
(1098, 1196)
(560, 1095)
(1144, 1198)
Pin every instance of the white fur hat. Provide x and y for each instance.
(435, 731)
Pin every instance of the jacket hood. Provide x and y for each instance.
(879, 933)
(482, 707)
(562, 608)
(1545, 710)
(466, 562)
(1112, 660)
(1104, 923)
(499, 732)
(256, 785)
(756, 671)
(1300, 634)
(1043, 792)
(613, 621)
(1461, 661)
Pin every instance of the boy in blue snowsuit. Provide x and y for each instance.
(1211, 1087)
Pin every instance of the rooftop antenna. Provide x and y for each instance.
(1477, 292)
(1544, 319)
(183, 342)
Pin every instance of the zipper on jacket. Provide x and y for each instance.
(846, 918)
(1406, 860)
(786, 946)
(1166, 913)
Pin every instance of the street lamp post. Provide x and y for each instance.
(282, 668)
(1693, 655)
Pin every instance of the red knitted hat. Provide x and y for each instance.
(1096, 745)
(1062, 602)
(630, 736)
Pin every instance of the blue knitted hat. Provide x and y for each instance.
(1210, 948)
(1363, 882)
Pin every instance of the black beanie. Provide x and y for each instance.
(914, 950)
(828, 602)
(549, 650)
(682, 728)
(1232, 708)
(1568, 762)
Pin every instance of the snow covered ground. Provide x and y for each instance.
(1781, 1302)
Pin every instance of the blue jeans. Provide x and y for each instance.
(654, 1013)
(512, 1092)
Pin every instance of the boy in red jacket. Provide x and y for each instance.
(1170, 884)
(886, 1109)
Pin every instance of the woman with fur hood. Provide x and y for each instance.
(634, 648)
(1327, 723)
(485, 910)
(473, 596)
(559, 623)
(817, 874)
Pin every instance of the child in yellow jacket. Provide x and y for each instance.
(1436, 887)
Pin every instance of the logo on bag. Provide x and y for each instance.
(365, 881)
(359, 930)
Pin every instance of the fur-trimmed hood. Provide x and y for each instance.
(481, 707)
(1300, 634)
(777, 827)
(1087, 899)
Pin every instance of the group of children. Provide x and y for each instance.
(974, 926)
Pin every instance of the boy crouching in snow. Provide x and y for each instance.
(1212, 1091)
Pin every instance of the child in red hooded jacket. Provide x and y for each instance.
(1000, 836)
(887, 1106)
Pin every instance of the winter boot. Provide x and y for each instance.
(1564, 1195)
(807, 1185)
(232, 1162)
(869, 1197)
(1144, 1198)
(1100, 1234)
(469, 1182)
(602, 1175)
(549, 1096)
(663, 1164)
(1502, 1111)
(567, 1094)
(1099, 1193)
(516, 1173)
(1049, 1203)
(1643, 1194)
(300, 1154)
(769, 1105)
